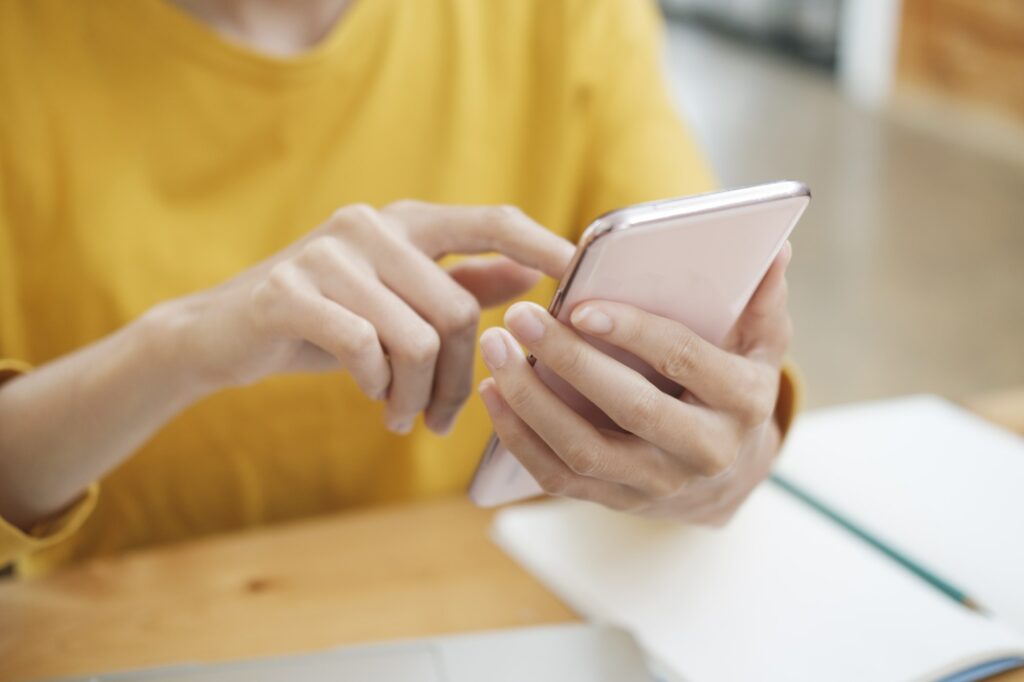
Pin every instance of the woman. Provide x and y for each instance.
(221, 325)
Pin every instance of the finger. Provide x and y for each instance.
(411, 343)
(764, 328)
(313, 359)
(440, 230)
(716, 501)
(352, 340)
(550, 472)
(453, 313)
(622, 393)
(717, 378)
(578, 443)
(493, 280)
(412, 346)
(771, 292)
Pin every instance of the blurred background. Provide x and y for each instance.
(907, 121)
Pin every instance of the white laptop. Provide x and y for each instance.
(558, 653)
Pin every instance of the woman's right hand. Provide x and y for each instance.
(363, 292)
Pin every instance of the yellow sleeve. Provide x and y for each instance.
(10, 368)
(637, 148)
(790, 399)
(16, 543)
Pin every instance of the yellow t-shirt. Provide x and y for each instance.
(143, 157)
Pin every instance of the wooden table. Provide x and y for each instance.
(403, 571)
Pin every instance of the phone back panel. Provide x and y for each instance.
(696, 260)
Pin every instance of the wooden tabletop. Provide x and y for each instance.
(382, 573)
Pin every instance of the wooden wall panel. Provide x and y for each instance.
(970, 50)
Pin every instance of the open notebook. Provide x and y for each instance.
(786, 593)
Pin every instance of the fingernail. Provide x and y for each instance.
(442, 426)
(525, 322)
(489, 395)
(787, 250)
(402, 426)
(590, 319)
(493, 348)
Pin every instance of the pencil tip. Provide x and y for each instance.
(972, 605)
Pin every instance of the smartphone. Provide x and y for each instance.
(697, 260)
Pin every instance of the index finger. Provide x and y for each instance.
(717, 377)
(440, 230)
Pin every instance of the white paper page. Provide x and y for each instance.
(927, 477)
(780, 594)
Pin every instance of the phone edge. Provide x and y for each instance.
(638, 215)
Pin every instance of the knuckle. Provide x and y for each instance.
(462, 316)
(517, 395)
(354, 218)
(757, 396)
(668, 484)
(361, 338)
(261, 296)
(405, 206)
(505, 215)
(633, 333)
(572, 362)
(716, 461)
(681, 359)
(760, 409)
(401, 218)
(583, 458)
(356, 212)
(555, 482)
(515, 440)
(280, 283)
(500, 221)
(271, 299)
(420, 347)
(641, 415)
(318, 252)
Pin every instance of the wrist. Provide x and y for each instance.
(167, 336)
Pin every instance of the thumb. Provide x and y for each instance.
(764, 328)
(493, 280)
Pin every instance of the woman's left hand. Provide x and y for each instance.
(695, 457)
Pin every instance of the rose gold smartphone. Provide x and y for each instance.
(697, 260)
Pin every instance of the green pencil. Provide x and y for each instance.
(917, 569)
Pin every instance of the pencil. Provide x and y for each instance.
(944, 586)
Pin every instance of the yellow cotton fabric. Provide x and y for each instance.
(142, 157)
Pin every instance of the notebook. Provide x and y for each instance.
(784, 592)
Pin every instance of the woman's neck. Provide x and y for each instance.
(280, 28)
